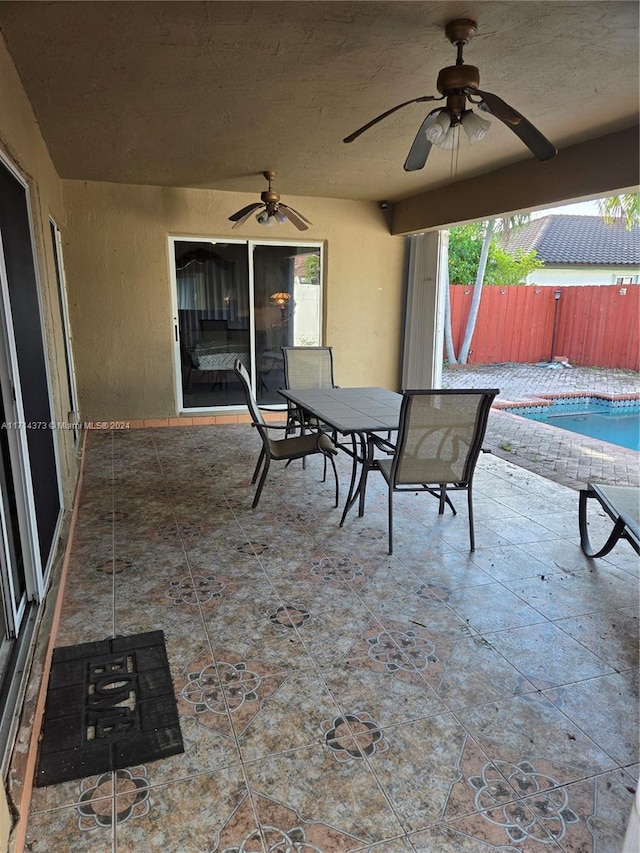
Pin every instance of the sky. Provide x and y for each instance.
(581, 208)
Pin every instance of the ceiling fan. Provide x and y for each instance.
(271, 209)
(458, 84)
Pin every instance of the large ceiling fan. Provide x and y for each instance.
(271, 209)
(458, 84)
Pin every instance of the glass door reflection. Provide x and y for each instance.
(212, 281)
(287, 309)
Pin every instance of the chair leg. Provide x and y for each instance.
(258, 465)
(390, 519)
(263, 477)
(472, 536)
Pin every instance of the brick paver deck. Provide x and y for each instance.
(554, 453)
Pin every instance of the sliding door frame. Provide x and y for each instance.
(251, 245)
(37, 571)
(61, 280)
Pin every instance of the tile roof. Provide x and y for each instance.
(560, 239)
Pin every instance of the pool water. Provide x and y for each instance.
(615, 421)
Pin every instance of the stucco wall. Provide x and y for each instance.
(579, 275)
(117, 265)
(22, 143)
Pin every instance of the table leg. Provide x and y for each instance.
(366, 467)
(358, 455)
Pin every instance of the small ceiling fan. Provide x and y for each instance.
(458, 84)
(271, 209)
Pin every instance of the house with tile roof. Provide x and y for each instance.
(579, 250)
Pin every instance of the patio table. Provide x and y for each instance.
(358, 414)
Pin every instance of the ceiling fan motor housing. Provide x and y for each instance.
(458, 77)
(270, 197)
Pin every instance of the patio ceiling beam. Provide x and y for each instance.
(603, 166)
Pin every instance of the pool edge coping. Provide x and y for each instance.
(543, 400)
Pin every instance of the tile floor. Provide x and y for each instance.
(333, 698)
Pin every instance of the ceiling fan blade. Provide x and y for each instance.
(535, 141)
(297, 212)
(369, 124)
(246, 211)
(293, 217)
(419, 151)
(496, 106)
(240, 214)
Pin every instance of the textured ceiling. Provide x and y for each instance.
(211, 94)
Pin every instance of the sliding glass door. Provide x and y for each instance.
(30, 495)
(241, 300)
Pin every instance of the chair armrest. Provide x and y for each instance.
(383, 444)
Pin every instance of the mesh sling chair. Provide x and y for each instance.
(284, 449)
(306, 367)
(439, 440)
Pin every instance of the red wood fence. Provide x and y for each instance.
(595, 326)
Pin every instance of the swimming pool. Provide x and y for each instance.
(615, 421)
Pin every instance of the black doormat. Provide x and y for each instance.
(110, 705)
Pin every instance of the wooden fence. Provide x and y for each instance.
(594, 326)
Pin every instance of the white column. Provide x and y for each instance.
(424, 312)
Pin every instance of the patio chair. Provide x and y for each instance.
(622, 505)
(284, 449)
(439, 439)
(306, 367)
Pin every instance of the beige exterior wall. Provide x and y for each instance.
(117, 263)
(22, 143)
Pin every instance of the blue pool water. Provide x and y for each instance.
(616, 421)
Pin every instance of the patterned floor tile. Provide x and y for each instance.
(474, 673)
(290, 717)
(334, 698)
(296, 778)
(606, 709)
(491, 607)
(59, 830)
(573, 593)
(454, 837)
(546, 654)
(531, 722)
(418, 768)
(390, 700)
(201, 802)
(509, 563)
(612, 635)
(262, 823)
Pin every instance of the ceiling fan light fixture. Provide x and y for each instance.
(451, 138)
(439, 128)
(459, 84)
(270, 210)
(475, 127)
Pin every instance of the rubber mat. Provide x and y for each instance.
(110, 705)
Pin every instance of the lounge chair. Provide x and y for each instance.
(622, 505)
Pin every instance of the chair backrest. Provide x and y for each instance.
(308, 367)
(241, 372)
(440, 435)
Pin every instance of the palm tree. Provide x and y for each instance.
(625, 207)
